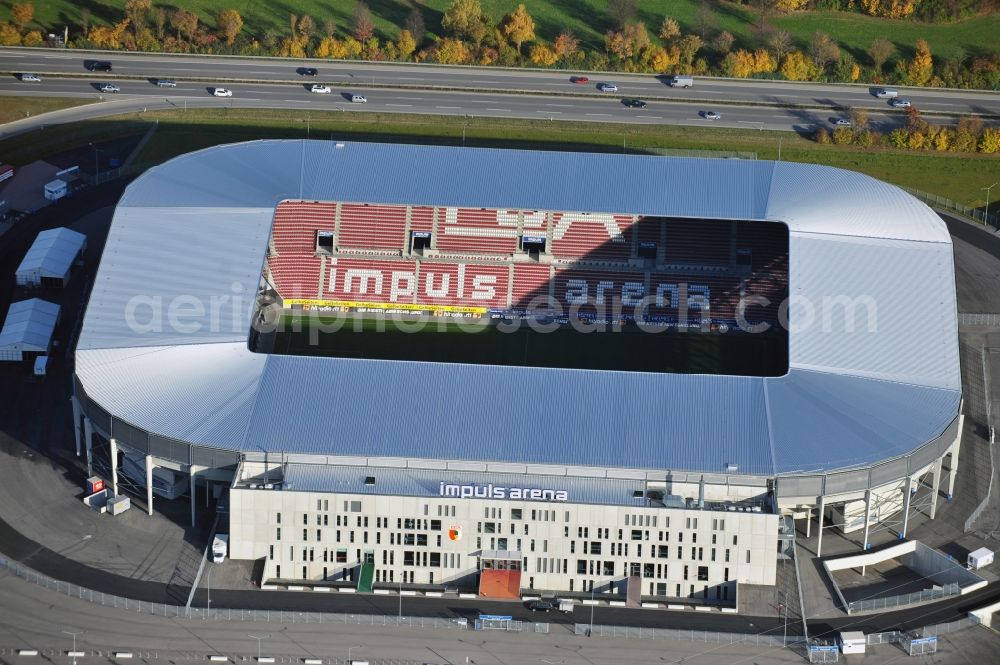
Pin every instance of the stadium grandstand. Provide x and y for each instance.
(779, 346)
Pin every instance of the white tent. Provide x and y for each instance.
(50, 258)
(28, 329)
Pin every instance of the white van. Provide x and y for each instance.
(887, 93)
(358, 99)
(681, 82)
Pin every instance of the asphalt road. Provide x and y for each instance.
(552, 82)
(462, 91)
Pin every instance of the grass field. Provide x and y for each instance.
(630, 350)
(15, 108)
(585, 18)
(958, 177)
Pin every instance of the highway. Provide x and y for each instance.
(463, 91)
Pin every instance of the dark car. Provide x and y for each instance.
(308, 71)
(634, 103)
(99, 66)
(541, 606)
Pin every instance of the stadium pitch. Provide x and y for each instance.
(589, 346)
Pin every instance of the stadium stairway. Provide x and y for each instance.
(366, 578)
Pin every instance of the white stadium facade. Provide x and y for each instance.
(654, 485)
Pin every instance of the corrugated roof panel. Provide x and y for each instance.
(823, 421)
(822, 199)
(433, 410)
(202, 393)
(902, 298)
(177, 276)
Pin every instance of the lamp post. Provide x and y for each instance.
(97, 166)
(74, 634)
(784, 616)
(259, 638)
(400, 601)
(988, 199)
(210, 590)
(349, 650)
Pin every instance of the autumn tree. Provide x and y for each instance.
(306, 26)
(989, 142)
(738, 64)
(565, 45)
(362, 22)
(723, 42)
(763, 63)
(621, 12)
(796, 67)
(669, 29)
(21, 14)
(704, 20)
(137, 12)
(823, 50)
(921, 68)
(542, 55)
(914, 121)
(859, 117)
(688, 47)
(160, 21)
(108, 37)
(230, 23)
(880, 51)
(790, 5)
(520, 27)
(9, 35)
(33, 38)
(780, 43)
(452, 51)
(406, 44)
(415, 24)
(465, 19)
(184, 22)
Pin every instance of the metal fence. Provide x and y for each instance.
(991, 220)
(868, 604)
(226, 614)
(978, 319)
(705, 636)
(717, 154)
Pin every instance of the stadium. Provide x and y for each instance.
(501, 370)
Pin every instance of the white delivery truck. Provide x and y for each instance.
(980, 558)
(681, 81)
(220, 548)
(887, 93)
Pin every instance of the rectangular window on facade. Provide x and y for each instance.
(501, 543)
(581, 566)
(355, 506)
(595, 547)
(748, 556)
(608, 568)
(435, 561)
(408, 558)
(319, 504)
(725, 574)
(734, 540)
(648, 570)
(270, 552)
(305, 534)
(319, 535)
(515, 513)
(636, 534)
(409, 538)
(326, 520)
(663, 551)
(422, 539)
(727, 556)
(685, 572)
(279, 518)
(489, 527)
(305, 518)
(278, 534)
(435, 525)
(409, 523)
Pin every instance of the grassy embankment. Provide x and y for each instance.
(585, 18)
(955, 176)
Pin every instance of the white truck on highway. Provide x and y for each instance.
(220, 548)
(681, 81)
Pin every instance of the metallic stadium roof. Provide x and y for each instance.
(164, 342)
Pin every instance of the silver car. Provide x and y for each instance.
(31, 78)
(110, 87)
(607, 87)
(166, 83)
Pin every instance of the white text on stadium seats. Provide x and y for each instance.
(403, 283)
(492, 491)
(580, 292)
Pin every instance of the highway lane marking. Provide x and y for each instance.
(401, 105)
(415, 99)
(550, 112)
(505, 110)
(606, 115)
(447, 107)
(562, 105)
(651, 117)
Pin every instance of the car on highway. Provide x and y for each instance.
(634, 103)
(308, 71)
(842, 122)
(31, 78)
(359, 99)
(900, 103)
(320, 88)
(541, 606)
(98, 65)
(579, 79)
(222, 92)
(109, 87)
(607, 87)
(166, 83)
(710, 115)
